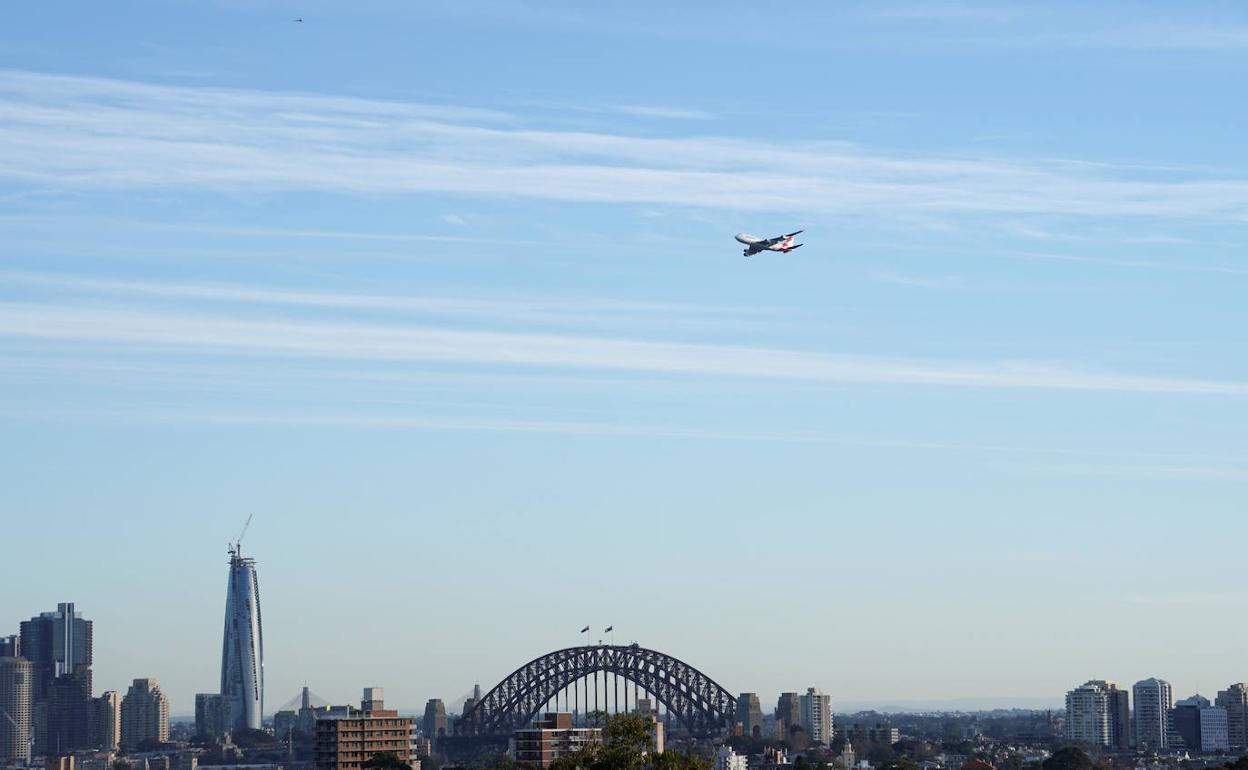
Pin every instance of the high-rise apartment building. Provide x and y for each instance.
(16, 679)
(346, 742)
(552, 737)
(750, 714)
(1153, 701)
(815, 709)
(242, 647)
(1235, 700)
(1098, 713)
(144, 715)
(10, 646)
(56, 643)
(106, 726)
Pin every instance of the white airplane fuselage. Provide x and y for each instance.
(755, 244)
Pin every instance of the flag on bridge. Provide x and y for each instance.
(609, 629)
(583, 630)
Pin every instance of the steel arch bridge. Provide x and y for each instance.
(696, 700)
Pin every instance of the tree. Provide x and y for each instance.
(901, 763)
(627, 744)
(799, 739)
(386, 760)
(1069, 758)
(250, 738)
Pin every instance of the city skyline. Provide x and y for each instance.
(457, 313)
(952, 701)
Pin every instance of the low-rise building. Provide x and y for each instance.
(347, 741)
(727, 759)
(552, 737)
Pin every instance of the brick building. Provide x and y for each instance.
(552, 737)
(346, 742)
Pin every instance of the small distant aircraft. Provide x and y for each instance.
(755, 244)
(298, 21)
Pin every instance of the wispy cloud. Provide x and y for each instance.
(395, 342)
(527, 309)
(392, 421)
(1012, 25)
(90, 133)
(921, 281)
(672, 113)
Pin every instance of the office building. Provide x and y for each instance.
(242, 647)
(10, 646)
(56, 643)
(434, 723)
(144, 715)
(346, 742)
(1098, 713)
(788, 712)
(1235, 700)
(1153, 701)
(1214, 732)
(815, 710)
(16, 681)
(1185, 721)
(106, 725)
(211, 715)
(552, 737)
(727, 759)
(1199, 726)
(69, 713)
(1119, 717)
(880, 732)
(750, 715)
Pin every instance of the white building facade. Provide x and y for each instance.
(727, 759)
(1087, 714)
(816, 714)
(1153, 700)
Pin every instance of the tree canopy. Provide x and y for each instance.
(628, 744)
(1069, 758)
(386, 760)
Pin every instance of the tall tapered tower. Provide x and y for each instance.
(242, 651)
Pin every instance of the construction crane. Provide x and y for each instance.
(30, 736)
(236, 547)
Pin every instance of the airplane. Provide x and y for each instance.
(755, 244)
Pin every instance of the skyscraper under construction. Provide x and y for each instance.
(242, 650)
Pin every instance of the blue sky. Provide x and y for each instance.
(446, 294)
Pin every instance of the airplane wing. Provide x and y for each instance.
(781, 238)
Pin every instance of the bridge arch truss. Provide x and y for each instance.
(693, 698)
